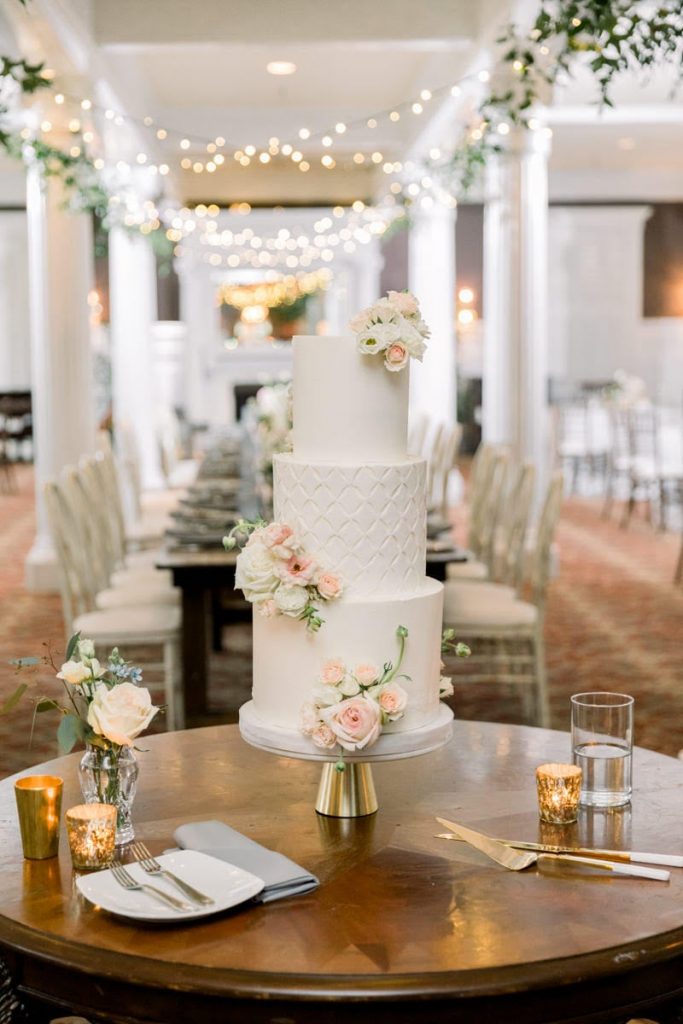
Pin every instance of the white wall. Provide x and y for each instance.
(596, 299)
(15, 354)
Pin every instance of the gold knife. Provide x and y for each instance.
(669, 860)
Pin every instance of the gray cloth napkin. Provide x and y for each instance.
(281, 875)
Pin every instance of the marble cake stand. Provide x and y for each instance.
(347, 792)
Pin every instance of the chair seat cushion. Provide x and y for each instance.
(126, 597)
(486, 606)
(137, 624)
(467, 571)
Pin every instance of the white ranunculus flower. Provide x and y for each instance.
(291, 600)
(86, 649)
(325, 695)
(255, 572)
(377, 337)
(349, 687)
(74, 672)
(122, 713)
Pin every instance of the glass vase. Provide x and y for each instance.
(111, 777)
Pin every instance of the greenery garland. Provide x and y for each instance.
(611, 36)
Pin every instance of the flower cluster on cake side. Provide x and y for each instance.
(394, 328)
(350, 705)
(278, 576)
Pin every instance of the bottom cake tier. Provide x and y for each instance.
(288, 660)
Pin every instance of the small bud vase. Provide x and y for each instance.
(111, 777)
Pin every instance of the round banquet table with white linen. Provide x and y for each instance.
(404, 926)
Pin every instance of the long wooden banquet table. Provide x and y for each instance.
(404, 926)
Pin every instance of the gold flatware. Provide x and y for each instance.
(669, 860)
(518, 861)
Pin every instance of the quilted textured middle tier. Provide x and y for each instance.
(366, 523)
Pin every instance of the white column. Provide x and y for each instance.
(60, 252)
(199, 314)
(515, 299)
(15, 330)
(431, 276)
(133, 310)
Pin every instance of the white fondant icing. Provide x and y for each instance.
(347, 407)
(364, 523)
(288, 660)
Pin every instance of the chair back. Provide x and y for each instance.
(491, 505)
(545, 532)
(513, 541)
(445, 460)
(85, 521)
(433, 454)
(482, 465)
(76, 595)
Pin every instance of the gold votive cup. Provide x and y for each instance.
(39, 805)
(92, 835)
(559, 789)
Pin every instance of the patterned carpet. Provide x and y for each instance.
(614, 622)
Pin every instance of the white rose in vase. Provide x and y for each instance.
(74, 673)
(120, 714)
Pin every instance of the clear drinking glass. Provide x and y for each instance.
(602, 745)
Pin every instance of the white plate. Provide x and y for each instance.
(227, 885)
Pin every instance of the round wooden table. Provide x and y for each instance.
(404, 926)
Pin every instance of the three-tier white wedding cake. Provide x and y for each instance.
(350, 530)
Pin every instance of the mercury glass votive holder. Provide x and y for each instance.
(92, 835)
(39, 805)
(559, 790)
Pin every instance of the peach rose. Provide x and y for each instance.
(120, 714)
(323, 737)
(333, 672)
(355, 722)
(329, 586)
(366, 674)
(405, 303)
(392, 701)
(396, 357)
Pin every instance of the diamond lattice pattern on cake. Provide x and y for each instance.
(366, 523)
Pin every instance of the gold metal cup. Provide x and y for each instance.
(39, 804)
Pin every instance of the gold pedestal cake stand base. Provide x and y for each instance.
(347, 793)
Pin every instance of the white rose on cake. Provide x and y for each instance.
(255, 572)
(120, 714)
(291, 600)
(405, 303)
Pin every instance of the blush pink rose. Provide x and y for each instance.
(396, 357)
(329, 586)
(323, 737)
(267, 608)
(356, 722)
(297, 570)
(309, 719)
(333, 672)
(366, 674)
(276, 534)
(404, 302)
(392, 701)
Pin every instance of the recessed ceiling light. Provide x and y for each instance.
(280, 67)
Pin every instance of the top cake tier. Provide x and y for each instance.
(347, 407)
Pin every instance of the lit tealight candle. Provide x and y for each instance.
(92, 835)
(559, 789)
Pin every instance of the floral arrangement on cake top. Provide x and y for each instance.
(277, 575)
(350, 706)
(394, 327)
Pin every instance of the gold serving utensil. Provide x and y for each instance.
(505, 855)
(669, 860)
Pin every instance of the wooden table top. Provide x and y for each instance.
(197, 558)
(399, 915)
